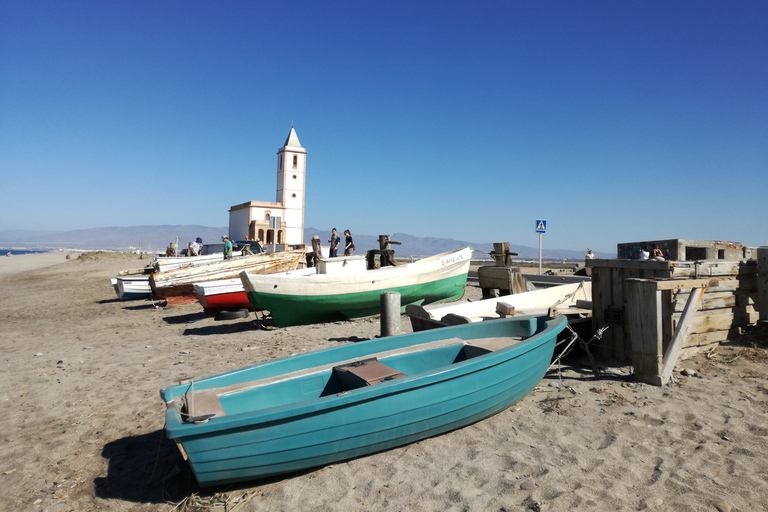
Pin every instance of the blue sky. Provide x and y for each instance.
(613, 120)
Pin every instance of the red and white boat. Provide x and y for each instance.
(221, 295)
(229, 294)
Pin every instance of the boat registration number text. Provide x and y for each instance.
(451, 259)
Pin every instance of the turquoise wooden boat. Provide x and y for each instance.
(348, 290)
(322, 407)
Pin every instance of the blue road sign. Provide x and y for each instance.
(541, 226)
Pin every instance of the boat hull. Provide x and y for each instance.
(356, 294)
(287, 437)
(287, 310)
(224, 301)
(130, 288)
(538, 302)
(179, 283)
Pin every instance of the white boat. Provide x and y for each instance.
(573, 299)
(168, 263)
(132, 286)
(179, 282)
(344, 288)
(229, 294)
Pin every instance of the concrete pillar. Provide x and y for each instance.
(390, 314)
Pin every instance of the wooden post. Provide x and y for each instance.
(683, 328)
(501, 254)
(646, 319)
(644, 323)
(314, 256)
(386, 255)
(390, 314)
(316, 244)
(762, 284)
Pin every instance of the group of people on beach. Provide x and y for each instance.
(349, 245)
(193, 248)
(654, 255)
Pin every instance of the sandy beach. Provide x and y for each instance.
(82, 420)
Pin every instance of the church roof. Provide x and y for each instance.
(292, 140)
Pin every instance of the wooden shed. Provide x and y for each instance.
(642, 303)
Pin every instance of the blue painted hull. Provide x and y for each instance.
(300, 424)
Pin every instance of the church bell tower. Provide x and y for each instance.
(291, 179)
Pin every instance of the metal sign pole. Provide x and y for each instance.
(540, 253)
(541, 228)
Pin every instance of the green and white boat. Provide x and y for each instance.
(344, 288)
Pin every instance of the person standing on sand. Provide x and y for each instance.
(349, 245)
(334, 241)
(227, 248)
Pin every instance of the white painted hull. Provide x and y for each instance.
(535, 302)
(235, 285)
(359, 280)
(132, 287)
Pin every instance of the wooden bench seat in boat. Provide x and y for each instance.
(365, 373)
(207, 401)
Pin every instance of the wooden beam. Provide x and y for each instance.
(673, 351)
(644, 264)
(644, 325)
(680, 284)
(504, 309)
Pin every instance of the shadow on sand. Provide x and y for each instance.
(349, 339)
(139, 307)
(247, 325)
(145, 469)
(149, 469)
(186, 319)
(109, 301)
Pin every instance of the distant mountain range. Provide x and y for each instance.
(156, 238)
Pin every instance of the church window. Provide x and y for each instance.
(293, 195)
(294, 176)
(295, 161)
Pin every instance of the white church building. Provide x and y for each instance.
(280, 222)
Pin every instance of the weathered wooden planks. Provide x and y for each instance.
(731, 303)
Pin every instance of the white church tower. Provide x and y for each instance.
(291, 179)
(282, 222)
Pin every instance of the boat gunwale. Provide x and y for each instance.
(176, 428)
(246, 261)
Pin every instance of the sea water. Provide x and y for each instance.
(15, 252)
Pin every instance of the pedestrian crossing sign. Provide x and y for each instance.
(541, 226)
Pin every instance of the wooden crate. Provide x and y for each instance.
(732, 303)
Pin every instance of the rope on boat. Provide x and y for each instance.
(583, 344)
(580, 287)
